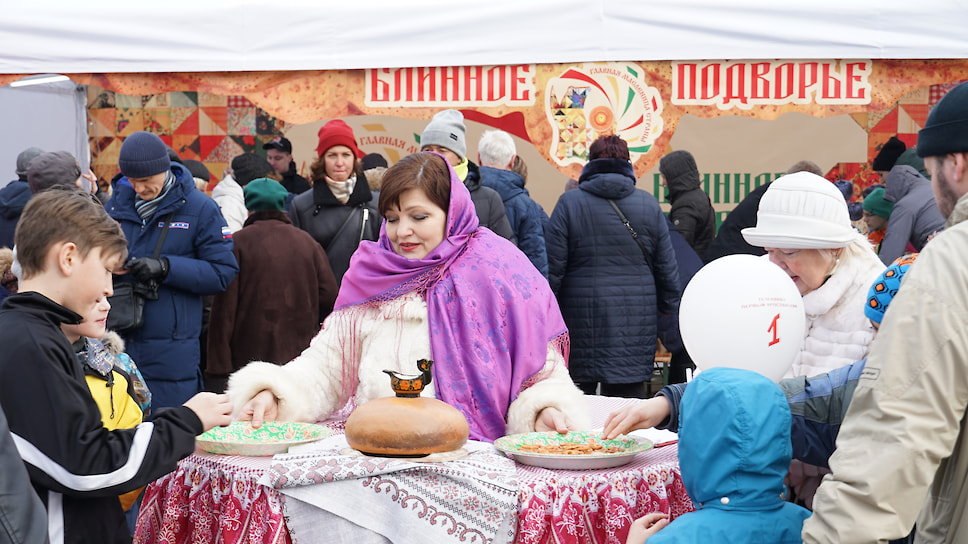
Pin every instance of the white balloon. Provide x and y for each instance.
(742, 311)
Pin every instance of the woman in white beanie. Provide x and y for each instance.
(804, 226)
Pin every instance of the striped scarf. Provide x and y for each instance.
(341, 189)
(146, 208)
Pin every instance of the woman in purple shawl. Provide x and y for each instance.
(434, 286)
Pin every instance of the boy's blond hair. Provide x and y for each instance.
(65, 214)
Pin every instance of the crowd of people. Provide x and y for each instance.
(281, 297)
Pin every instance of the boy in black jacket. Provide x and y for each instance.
(67, 247)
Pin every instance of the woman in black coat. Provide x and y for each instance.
(610, 289)
(339, 211)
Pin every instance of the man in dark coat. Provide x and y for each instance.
(691, 212)
(279, 155)
(610, 292)
(195, 260)
(284, 290)
(446, 134)
(729, 239)
(14, 196)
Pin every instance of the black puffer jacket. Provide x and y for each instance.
(293, 182)
(488, 203)
(609, 296)
(13, 198)
(338, 227)
(729, 240)
(691, 212)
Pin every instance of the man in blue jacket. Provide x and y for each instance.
(195, 260)
(496, 152)
(14, 196)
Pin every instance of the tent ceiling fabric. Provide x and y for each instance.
(114, 36)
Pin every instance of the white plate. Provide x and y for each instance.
(511, 445)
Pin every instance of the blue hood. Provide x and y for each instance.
(13, 198)
(734, 440)
(508, 184)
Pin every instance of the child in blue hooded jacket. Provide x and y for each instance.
(734, 450)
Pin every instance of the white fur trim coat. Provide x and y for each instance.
(837, 331)
(392, 336)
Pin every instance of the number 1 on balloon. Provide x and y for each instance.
(772, 329)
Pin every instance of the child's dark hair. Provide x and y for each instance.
(65, 214)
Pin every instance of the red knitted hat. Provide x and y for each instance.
(336, 132)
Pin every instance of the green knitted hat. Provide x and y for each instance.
(876, 205)
(265, 194)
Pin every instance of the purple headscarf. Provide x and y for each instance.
(491, 313)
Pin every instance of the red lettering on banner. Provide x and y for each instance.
(831, 86)
(379, 89)
(857, 73)
(807, 83)
(472, 83)
(451, 86)
(449, 76)
(760, 88)
(710, 90)
(784, 91)
(728, 84)
(426, 84)
(522, 85)
(736, 84)
(688, 81)
(496, 78)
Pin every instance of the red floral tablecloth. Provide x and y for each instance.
(597, 506)
(212, 498)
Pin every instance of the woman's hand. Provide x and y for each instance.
(551, 419)
(641, 415)
(91, 177)
(263, 406)
(646, 526)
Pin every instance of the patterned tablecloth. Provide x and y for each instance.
(213, 498)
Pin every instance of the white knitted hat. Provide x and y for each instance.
(801, 211)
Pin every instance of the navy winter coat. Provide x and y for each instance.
(199, 252)
(487, 204)
(13, 198)
(609, 296)
(527, 217)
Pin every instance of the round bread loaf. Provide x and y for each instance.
(406, 427)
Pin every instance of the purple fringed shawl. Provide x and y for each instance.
(491, 313)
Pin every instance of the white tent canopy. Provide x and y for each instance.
(111, 36)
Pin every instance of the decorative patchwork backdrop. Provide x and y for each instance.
(904, 120)
(205, 127)
(215, 128)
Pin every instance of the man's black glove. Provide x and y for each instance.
(147, 269)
